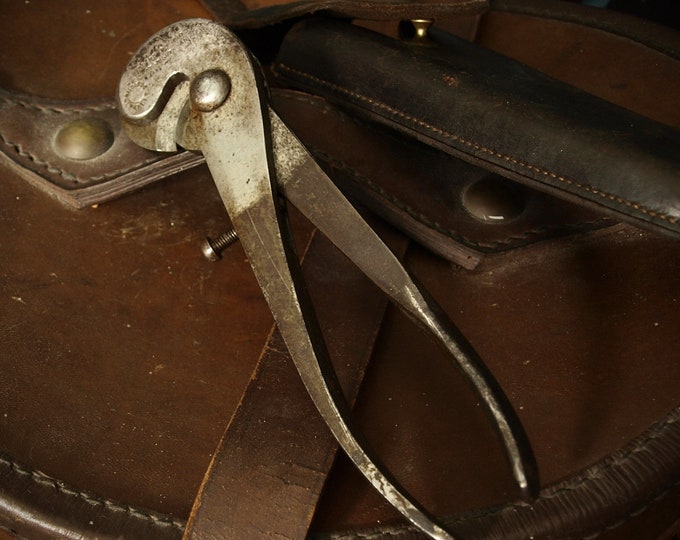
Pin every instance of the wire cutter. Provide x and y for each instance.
(194, 84)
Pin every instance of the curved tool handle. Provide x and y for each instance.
(308, 188)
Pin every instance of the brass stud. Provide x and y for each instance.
(494, 199)
(416, 31)
(421, 27)
(83, 139)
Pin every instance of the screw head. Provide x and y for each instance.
(209, 251)
(209, 90)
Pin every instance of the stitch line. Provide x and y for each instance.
(400, 530)
(31, 106)
(420, 217)
(638, 445)
(49, 167)
(475, 146)
(47, 481)
(451, 233)
(637, 512)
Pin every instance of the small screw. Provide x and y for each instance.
(212, 249)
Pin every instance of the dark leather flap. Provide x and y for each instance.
(497, 113)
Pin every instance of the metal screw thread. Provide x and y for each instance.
(212, 248)
(224, 240)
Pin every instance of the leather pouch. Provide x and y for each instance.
(125, 355)
(496, 113)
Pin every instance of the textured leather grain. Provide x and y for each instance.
(281, 487)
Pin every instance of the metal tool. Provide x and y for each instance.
(194, 84)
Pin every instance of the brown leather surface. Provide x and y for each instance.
(379, 170)
(124, 353)
(71, 56)
(587, 404)
(78, 49)
(278, 487)
(30, 131)
(620, 70)
(580, 362)
(485, 109)
(259, 13)
(113, 325)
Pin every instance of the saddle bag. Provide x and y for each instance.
(520, 157)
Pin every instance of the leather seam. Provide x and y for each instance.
(630, 516)
(59, 487)
(475, 146)
(31, 106)
(51, 168)
(399, 531)
(508, 242)
(639, 445)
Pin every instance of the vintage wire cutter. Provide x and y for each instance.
(195, 85)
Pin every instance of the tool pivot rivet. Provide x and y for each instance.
(209, 90)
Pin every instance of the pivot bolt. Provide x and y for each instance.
(209, 90)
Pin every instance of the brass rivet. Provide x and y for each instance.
(83, 139)
(421, 28)
(494, 199)
(416, 31)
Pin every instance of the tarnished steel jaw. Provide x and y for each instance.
(195, 59)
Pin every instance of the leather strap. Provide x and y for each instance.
(30, 130)
(416, 188)
(267, 474)
(33, 503)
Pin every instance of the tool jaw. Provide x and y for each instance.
(189, 80)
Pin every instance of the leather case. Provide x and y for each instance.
(486, 109)
(135, 373)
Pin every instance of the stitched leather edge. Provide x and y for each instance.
(637, 207)
(388, 198)
(10, 468)
(65, 107)
(622, 467)
(498, 245)
(77, 180)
